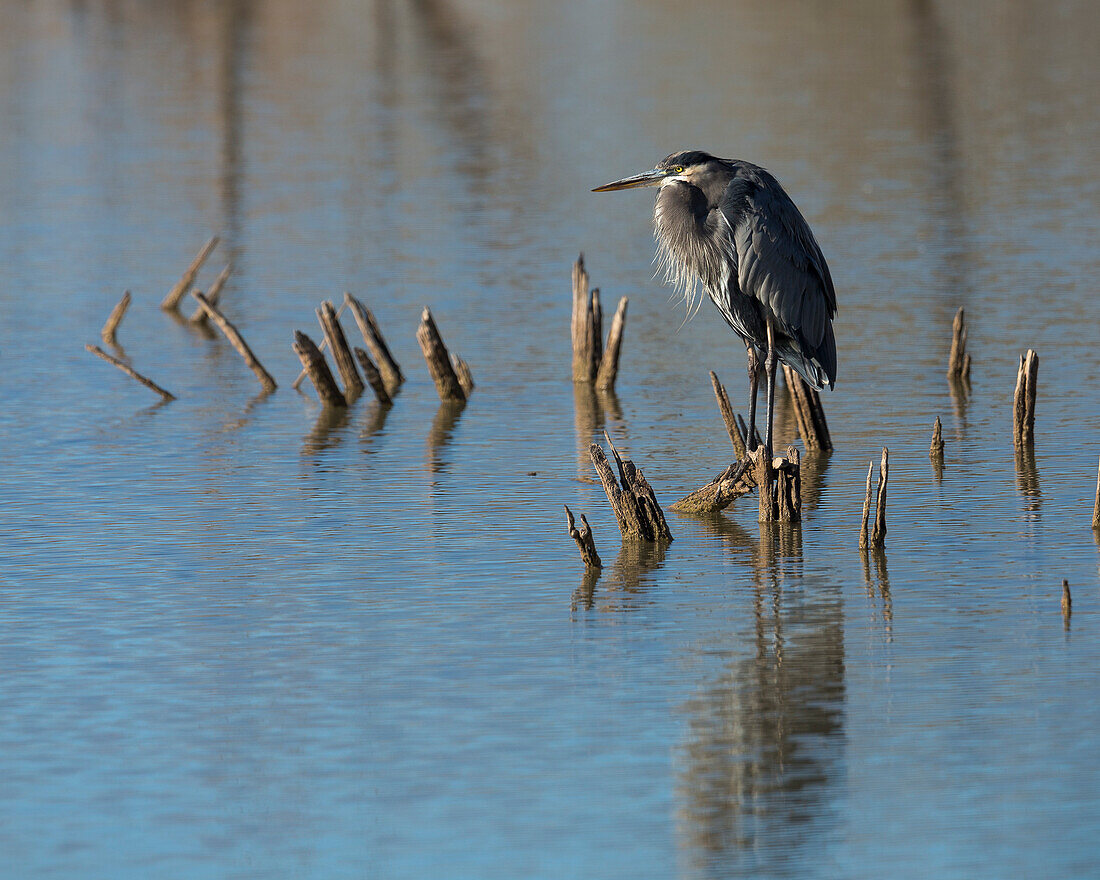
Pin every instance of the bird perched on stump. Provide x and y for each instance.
(728, 227)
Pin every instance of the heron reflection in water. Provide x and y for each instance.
(728, 227)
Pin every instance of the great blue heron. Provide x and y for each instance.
(728, 226)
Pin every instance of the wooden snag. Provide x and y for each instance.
(130, 371)
(110, 329)
(462, 371)
(583, 537)
(721, 492)
(376, 343)
(1023, 403)
(636, 508)
(324, 344)
(236, 340)
(439, 361)
(1067, 601)
(608, 370)
(864, 535)
(878, 533)
(789, 488)
(316, 367)
(171, 302)
(735, 431)
(586, 329)
(341, 352)
(1096, 504)
(374, 377)
(198, 317)
(958, 364)
(935, 450)
(808, 412)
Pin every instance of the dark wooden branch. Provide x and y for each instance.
(721, 492)
(808, 412)
(636, 508)
(107, 334)
(608, 370)
(341, 353)
(1023, 409)
(316, 367)
(376, 344)
(236, 340)
(958, 364)
(374, 377)
(324, 344)
(735, 431)
(172, 300)
(130, 371)
(583, 537)
(438, 360)
(198, 317)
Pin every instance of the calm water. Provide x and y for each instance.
(240, 637)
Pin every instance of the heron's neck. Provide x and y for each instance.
(688, 248)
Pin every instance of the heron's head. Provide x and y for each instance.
(687, 166)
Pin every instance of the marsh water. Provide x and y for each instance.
(241, 636)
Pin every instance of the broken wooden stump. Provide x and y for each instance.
(1023, 402)
(108, 333)
(583, 537)
(374, 377)
(198, 317)
(808, 412)
(462, 371)
(236, 340)
(736, 431)
(376, 344)
(1067, 601)
(778, 485)
(316, 367)
(1096, 504)
(721, 492)
(592, 362)
(789, 489)
(439, 363)
(341, 352)
(935, 449)
(876, 537)
(958, 364)
(636, 509)
(183, 286)
(130, 371)
(324, 344)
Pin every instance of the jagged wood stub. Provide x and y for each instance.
(324, 344)
(721, 492)
(462, 371)
(586, 339)
(171, 302)
(584, 539)
(110, 330)
(130, 371)
(374, 377)
(1096, 504)
(808, 412)
(958, 363)
(236, 340)
(1023, 402)
(376, 344)
(313, 362)
(608, 370)
(198, 317)
(341, 352)
(736, 433)
(438, 359)
(864, 534)
(878, 532)
(637, 511)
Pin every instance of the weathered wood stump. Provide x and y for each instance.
(316, 367)
(583, 537)
(341, 351)
(1023, 402)
(592, 361)
(636, 508)
(447, 384)
(808, 412)
(236, 340)
(130, 371)
(958, 364)
(110, 329)
(171, 301)
(876, 536)
(376, 344)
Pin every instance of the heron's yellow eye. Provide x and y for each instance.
(679, 169)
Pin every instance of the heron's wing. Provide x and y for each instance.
(780, 264)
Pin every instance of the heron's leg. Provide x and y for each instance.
(750, 440)
(769, 371)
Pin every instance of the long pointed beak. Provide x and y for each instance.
(647, 178)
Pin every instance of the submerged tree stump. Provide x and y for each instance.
(1023, 403)
(1096, 504)
(171, 301)
(341, 352)
(808, 412)
(374, 377)
(592, 361)
(376, 344)
(958, 364)
(316, 367)
(236, 340)
(636, 509)
(447, 384)
(130, 371)
(876, 536)
(733, 428)
(110, 329)
(721, 492)
(583, 537)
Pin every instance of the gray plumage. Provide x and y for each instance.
(727, 227)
